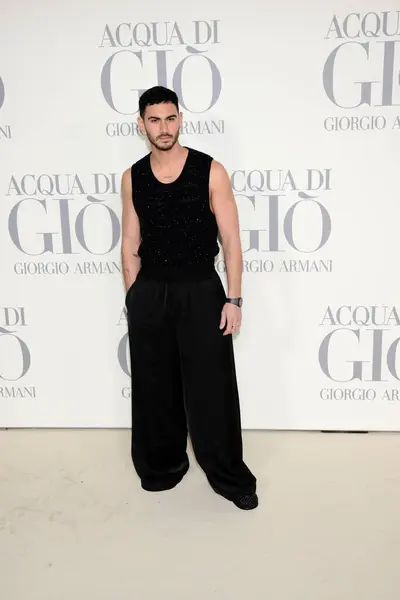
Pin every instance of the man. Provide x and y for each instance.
(175, 200)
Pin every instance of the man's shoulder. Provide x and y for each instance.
(217, 169)
(209, 158)
(200, 155)
(135, 168)
(141, 162)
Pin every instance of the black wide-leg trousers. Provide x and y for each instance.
(184, 381)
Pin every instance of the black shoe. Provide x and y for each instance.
(246, 502)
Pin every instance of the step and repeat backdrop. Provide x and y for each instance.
(301, 103)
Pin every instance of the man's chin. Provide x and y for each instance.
(165, 146)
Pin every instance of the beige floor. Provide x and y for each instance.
(74, 523)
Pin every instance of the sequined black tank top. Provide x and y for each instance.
(178, 229)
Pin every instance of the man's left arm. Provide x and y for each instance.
(224, 207)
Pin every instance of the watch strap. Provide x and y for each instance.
(237, 301)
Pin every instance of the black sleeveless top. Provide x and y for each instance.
(178, 229)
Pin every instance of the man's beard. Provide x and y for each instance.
(163, 145)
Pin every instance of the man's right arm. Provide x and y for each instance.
(130, 233)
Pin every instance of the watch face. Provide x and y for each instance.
(240, 302)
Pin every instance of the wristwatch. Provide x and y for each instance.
(237, 301)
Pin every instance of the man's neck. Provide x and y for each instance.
(166, 158)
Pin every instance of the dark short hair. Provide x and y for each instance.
(157, 95)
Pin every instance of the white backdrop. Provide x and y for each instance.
(301, 103)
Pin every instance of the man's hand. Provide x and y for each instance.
(231, 316)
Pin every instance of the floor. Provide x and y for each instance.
(75, 524)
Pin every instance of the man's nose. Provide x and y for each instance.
(164, 127)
